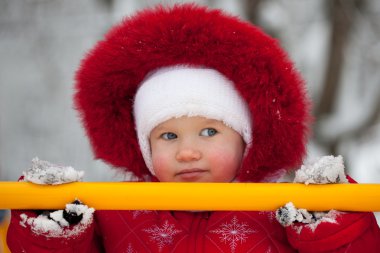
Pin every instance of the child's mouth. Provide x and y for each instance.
(191, 174)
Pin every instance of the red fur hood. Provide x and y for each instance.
(111, 72)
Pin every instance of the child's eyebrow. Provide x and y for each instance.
(161, 129)
(212, 121)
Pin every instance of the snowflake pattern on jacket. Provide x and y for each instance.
(163, 235)
(233, 233)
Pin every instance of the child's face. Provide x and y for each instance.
(195, 149)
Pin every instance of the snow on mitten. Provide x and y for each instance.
(326, 170)
(44, 172)
(52, 223)
(74, 219)
(289, 214)
(73, 212)
(71, 215)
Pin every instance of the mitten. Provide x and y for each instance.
(55, 222)
(326, 170)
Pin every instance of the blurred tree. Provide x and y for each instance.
(252, 8)
(350, 64)
(342, 16)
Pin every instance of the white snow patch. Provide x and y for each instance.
(24, 218)
(75, 208)
(288, 215)
(57, 216)
(43, 172)
(326, 170)
(320, 217)
(290, 212)
(56, 225)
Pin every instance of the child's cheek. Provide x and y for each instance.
(224, 158)
(160, 163)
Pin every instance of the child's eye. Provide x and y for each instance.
(169, 136)
(208, 132)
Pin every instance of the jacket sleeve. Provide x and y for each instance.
(348, 232)
(76, 238)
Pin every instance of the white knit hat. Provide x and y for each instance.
(173, 92)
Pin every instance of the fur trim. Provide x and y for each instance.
(187, 34)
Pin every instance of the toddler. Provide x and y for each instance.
(189, 94)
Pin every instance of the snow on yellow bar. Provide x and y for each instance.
(191, 196)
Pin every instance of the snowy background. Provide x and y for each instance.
(334, 43)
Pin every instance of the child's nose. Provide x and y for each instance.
(188, 154)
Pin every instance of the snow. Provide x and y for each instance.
(289, 214)
(57, 216)
(326, 170)
(320, 217)
(75, 208)
(43, 172)
(54, 225)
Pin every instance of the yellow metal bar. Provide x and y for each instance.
(191, 196)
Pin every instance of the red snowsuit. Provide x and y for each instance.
(181, 231)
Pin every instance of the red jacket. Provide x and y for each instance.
(165, 231)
